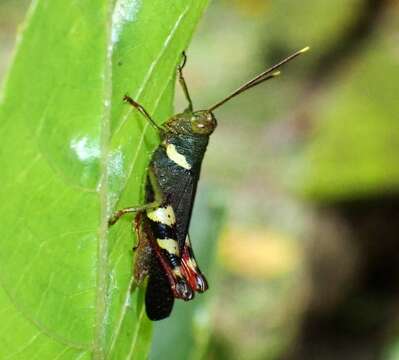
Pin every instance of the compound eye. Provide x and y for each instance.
(197, 123)
(203, 123)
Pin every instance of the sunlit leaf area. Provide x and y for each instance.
(296, 218)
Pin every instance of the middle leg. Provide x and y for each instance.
(158, 200)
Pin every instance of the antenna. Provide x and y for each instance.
(262, 77)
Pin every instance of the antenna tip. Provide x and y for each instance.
(307, 48)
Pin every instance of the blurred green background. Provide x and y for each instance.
(307, 169)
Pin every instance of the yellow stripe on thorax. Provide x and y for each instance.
(176, 157)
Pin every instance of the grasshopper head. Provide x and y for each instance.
(203, 122)
(200, 122)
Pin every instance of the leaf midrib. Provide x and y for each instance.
(102, 250)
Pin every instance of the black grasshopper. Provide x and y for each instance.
(164, 251)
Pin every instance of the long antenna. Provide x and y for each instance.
(262, 77)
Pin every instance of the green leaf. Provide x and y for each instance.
(71, 153)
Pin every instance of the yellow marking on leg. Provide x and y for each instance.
(187, 241)
(192, 264)
(163, 215)
(176, 157)
(170, 245)
(176, 270)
